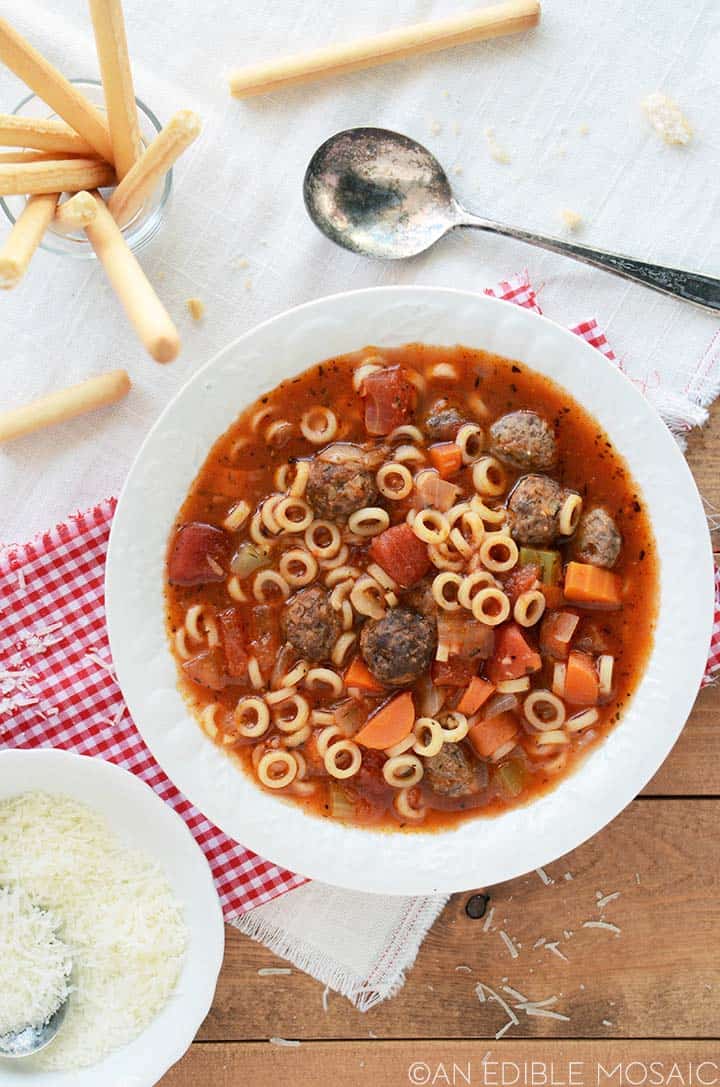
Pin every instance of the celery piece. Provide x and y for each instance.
(548, 561)
(511, 776)
(248, 558)
(341, 806)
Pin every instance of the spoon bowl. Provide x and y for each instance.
(383, 195)
(378, 193)
(30, 1040)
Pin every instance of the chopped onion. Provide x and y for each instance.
(461, 636)
(500, 703)
(350, 715)
(283, 663)
(433, 491)
(248, 558)
(341, 453)
(341, 806)
(430, 699)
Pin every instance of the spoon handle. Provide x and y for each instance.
(702, 290)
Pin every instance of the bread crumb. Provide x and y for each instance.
(435, 128)
(196, 308)
(496, 152)
(248, 284)
(667, 118)
(241, 262)
(572, 220)
(456, 128)
(583, 130)
(458, 170)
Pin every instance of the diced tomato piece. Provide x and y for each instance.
(522, 580)
(476, 695)
(265, 635)
(199, 554)
(513, 657)
(401, 555)
(554, 596)
(461, 636)
(454, 672)
(207, 670)
(389, 400)
(234, 640)
(556, 632)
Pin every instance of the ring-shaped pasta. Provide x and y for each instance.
(266, 578)
(440, 588)
(329, 735)
(319, 425)
(367, 597)
(431, 526)
(503, 750)
(544, 710)
(428, 735)
(208, 720)
(335, 752)
(267, 514)
(299, 483)
(293, 514)
(280, 479)
(342, 647)
(261, 416)
(300, 760)
(489, 477)
(490, 606)
(259, 534)
(459, 543)
(235, 589)
(401, 746)
(348, 618)
(196, 615)
(277, 769)
(296, 674)
(252, 717)
(325, 680)
(441, 557)
(403, 771)
(582, 720)
(300, 714)
(273, 698)
(368, 521)
(605, 665)
(457, 511)
(529, 608)
(339, 560)
(408, 454)
(569, 514)
(513, 686)
(363, 371)
(382, 577)
(298, 567)
(180, 641)
(443, 371)
(496, 516)
(342, 575)
(558, 678)
(297, 738)
(278, 433)
(470, 440)
(472, 583)
(489, 548)
(254, 674)
(237, 515)
(394, 481)
(459, 727)
(409, 806)
(318, 530)
(554, 737)
(340, 593)
(415, 378)
(322, 717)
(407, 431)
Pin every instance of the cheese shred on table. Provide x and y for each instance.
(117, 915)
(34, 963)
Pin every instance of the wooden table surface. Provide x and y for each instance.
(648, 994)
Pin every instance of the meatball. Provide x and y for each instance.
(335, 490)
(452, 772)
(442, 424)
(421, 599)
(310, 623)
(398, 648)
(597, 540)
(534, 509)
(524, 440)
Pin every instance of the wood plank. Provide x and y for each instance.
(693, 766)
(462, 1063)
(652, 980)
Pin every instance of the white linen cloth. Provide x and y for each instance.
(236, 236)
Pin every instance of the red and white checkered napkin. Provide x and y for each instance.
(57, 687)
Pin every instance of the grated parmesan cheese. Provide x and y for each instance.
(118, 917)
(496, 151)
(34, 963)
(667, 118)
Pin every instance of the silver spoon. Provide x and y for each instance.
(383, 195)
(31, 1039)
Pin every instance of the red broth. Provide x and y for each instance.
(231, 647)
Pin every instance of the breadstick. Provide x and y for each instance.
(67, 101)
(21, 157)
(25, 237)
(143, 307)
(490, 22)
(96, 392)
(151, 167)
(112, 51)
(43, 135)
(54, 175)
(77, 212)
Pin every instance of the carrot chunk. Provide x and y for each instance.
(513, 657)
(475, 696)
(582, 685)
(359, 675)
(391, 724)
(586, 584)
(446, 457)
(489, 735)
(401, 555)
